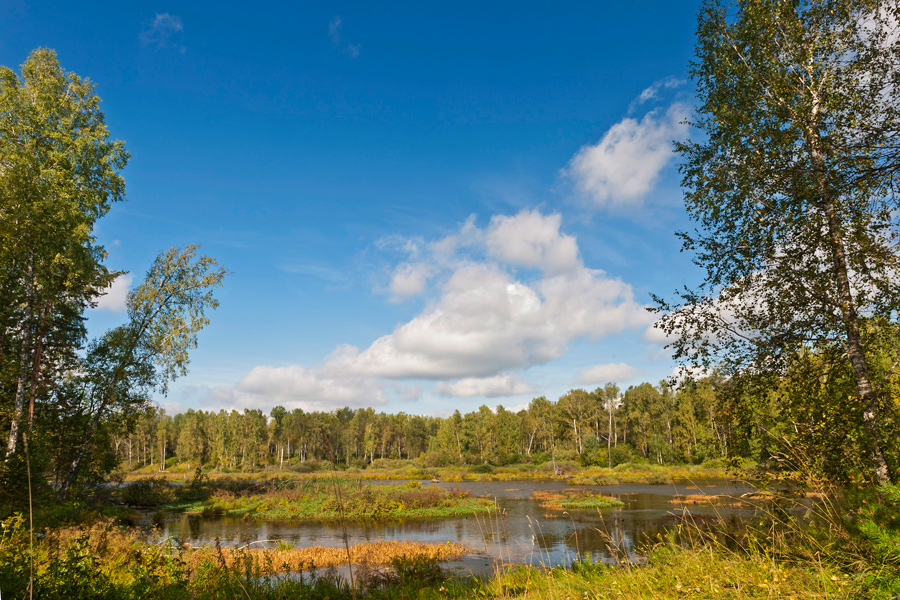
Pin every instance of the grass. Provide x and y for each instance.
(842, 547)
(105, 562)
(404, 470)
(573, 499)
(316, 499)
(706, 500)
(674, 572)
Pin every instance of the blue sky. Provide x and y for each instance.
(424, 206)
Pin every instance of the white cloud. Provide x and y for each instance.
(172, 408)
(491, 387)
(530, 239)
(294, 386)
(682, 374)
(623, 167)
(655, 335)
(613, 372)
(163, 32)
(485, 320)
(113, 299)
(334, 32)
(409, 280)
(482, 320)
(652, 92)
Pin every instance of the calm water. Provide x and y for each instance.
(524, 533)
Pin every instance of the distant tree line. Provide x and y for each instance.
(606, 427)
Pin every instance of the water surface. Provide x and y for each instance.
(522, 532)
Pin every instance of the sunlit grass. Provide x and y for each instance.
(574, 499)
(331, 499)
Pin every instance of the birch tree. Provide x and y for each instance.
(792, 186)
(59, 173)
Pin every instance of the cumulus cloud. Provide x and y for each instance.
(409, 280)
(613, 372)
(164, 32)
(334, 32)
(623, 167)
(294, 386)
(511, 295)
(652, 92)
(113, 299)
(485, 320)
(530, 239)
(498, 386)
(655, 335)
(683, 373)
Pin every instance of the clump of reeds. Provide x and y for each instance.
(272, 560)
(574, 499)
(705, 500)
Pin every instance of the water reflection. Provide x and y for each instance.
(523, 532)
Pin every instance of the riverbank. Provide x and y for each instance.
(388, 470)
(104, 562)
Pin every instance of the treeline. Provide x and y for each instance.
(603, 427)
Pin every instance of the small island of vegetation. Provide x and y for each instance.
(294, 498)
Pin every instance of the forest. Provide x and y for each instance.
(697, 422)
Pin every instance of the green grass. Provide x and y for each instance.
(591, 502)
(404, 470)
(330, 499)
(109, 563)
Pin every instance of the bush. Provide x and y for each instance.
(420, 474)
(312, 466)
(386, 463)
(621, 454)
(539, 458)
(482, 468)
(561, 466)
(149, 491)
(659, 478)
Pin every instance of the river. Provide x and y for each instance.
(522, 532)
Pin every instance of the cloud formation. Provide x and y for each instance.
(113, 299)
(164, 32)
(334, 32)
(613, 372)
(624, 166)
(294, 386)
(652, 92)
(485, 320)
(409, 281)
(498, 386)
(510, 295)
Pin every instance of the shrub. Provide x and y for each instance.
(149, 491)
(659, 478)
(539, 458)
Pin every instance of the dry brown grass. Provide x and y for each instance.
(706, 499)
(556, 500)
(696, 499)
(317, 557)
(103, 539)
(548, 496)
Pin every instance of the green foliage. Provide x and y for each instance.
(417, 571)
(793, 191)
(60, 173)
(148, 491)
